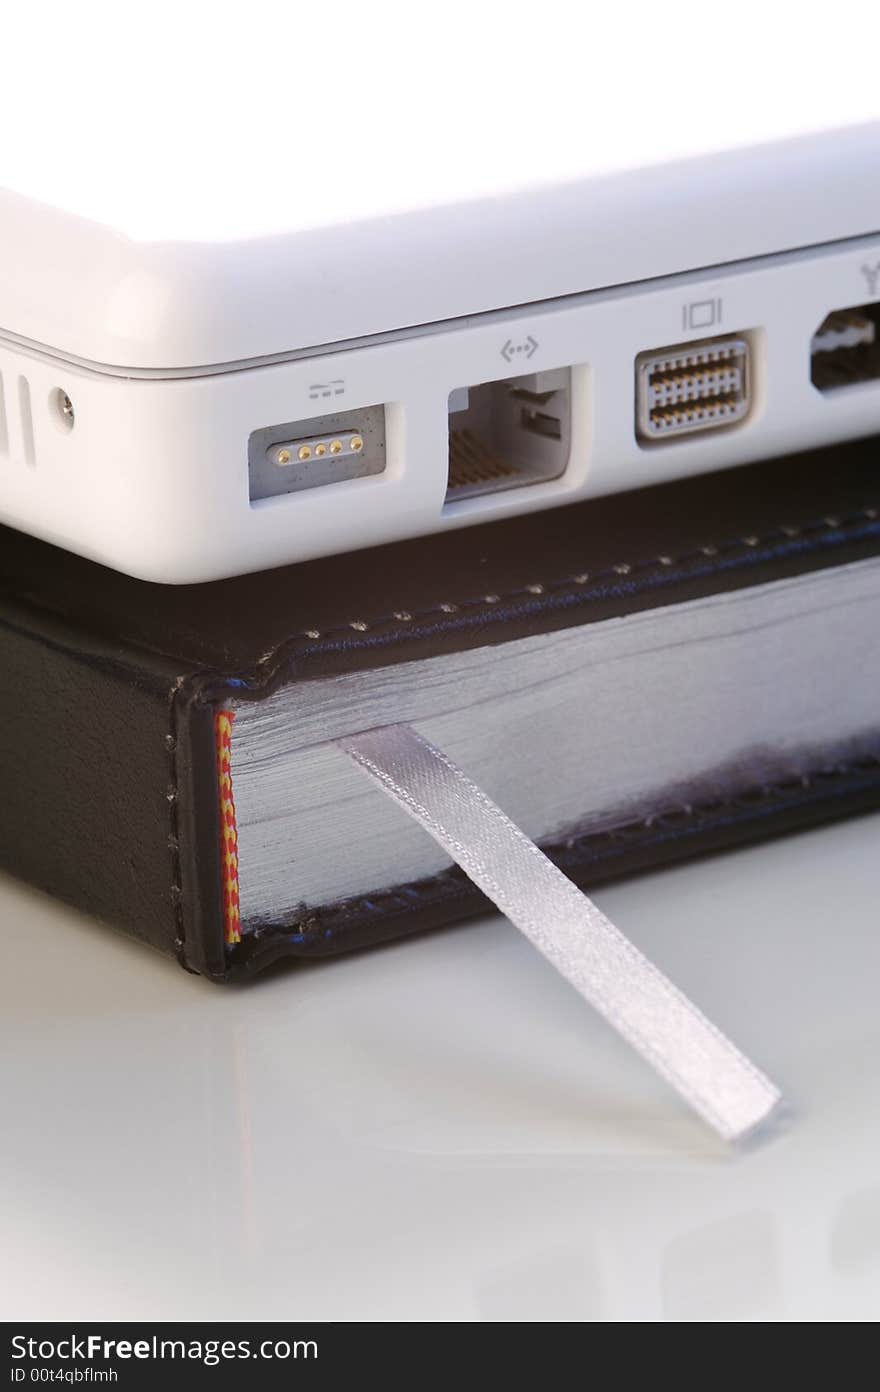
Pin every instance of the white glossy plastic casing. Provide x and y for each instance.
(172, 353)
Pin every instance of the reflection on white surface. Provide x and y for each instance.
(441, 1129)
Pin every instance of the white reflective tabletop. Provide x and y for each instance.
(441, 1129)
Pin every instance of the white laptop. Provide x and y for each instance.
(197, 382)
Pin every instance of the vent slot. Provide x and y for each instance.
(26, 416)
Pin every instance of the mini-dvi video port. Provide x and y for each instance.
(691, 387)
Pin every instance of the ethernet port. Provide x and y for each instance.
(845, 349)
(509, 434)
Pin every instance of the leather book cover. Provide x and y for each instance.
(114, 737)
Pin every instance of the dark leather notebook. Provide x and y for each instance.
(644, 677)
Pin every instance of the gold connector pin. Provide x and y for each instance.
(317, 447)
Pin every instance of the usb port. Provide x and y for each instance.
(692, 386)
(845, 350)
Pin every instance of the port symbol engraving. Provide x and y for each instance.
(526, 348)
(336, 387)
(872, 278)
(701, 314)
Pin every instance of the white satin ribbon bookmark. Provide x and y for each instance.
(639, 1001)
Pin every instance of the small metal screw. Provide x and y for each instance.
(64, 407)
